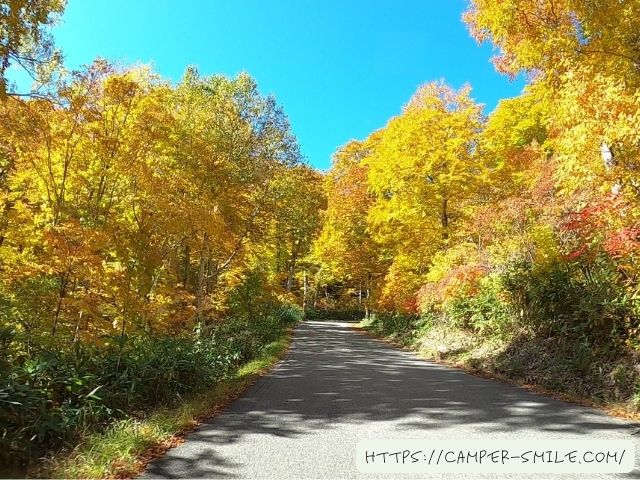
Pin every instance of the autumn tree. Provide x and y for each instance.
(583, 60)
(345, 248)
(137, 206)
(298, 200)
(584, 56)
(232, 143)
(25, 41)
(422, 170)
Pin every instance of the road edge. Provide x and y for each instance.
(609, 410)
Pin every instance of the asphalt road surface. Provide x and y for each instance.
(337, 387)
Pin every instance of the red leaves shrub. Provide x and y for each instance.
(623, 242)
(607, 226)
(462, 279)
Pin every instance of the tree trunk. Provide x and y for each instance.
(315, 294)
(64, 280)
(200, 287)
(304, 293)
(76, 334)
(445, 219)
(291, 270)
(187, 267)
(609, 161)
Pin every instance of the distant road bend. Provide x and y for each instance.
(336, 387)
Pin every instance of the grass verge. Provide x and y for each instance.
(124, 450)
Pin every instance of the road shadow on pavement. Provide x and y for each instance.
(335, 379)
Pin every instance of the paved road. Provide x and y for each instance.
(337, 387)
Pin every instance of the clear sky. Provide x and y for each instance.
(340, 68)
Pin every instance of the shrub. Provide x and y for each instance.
(58, 391)
(334, 314)
(485, 312)
(290, 314)
(393, 323)
(571, 299)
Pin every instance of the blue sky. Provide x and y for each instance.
(340, 68)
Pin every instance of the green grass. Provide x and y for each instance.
(124, 449)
